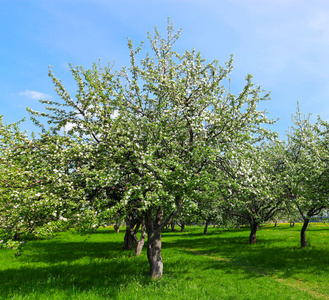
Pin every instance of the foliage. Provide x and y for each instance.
(256, 191)
(38, 187)
(306, 163)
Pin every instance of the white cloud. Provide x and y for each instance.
(34, 95)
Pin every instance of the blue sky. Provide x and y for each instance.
(283, 44)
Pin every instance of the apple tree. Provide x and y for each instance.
(306, 163)
(157, 129)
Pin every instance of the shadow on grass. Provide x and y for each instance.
(103, 267)
(103, 277)
(51, 252)
(74, 267)
(265, 257)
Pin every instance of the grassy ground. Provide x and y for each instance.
(220, 265)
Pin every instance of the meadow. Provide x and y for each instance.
(220, 265)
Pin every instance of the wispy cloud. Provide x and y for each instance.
(34, 95)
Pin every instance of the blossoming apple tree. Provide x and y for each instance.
(37, 192)
(256, 190)
(155, 131)
(306, 163)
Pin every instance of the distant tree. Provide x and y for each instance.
(257, 191)
(307, 169)
(208, 204)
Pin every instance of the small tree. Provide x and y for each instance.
(307, 169)
(256, 192)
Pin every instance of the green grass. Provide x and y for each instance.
(220, 265)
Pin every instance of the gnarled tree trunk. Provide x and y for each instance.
(153, 227)
(128, 243)
(116, 228)
(253, 231)
(303, 241)
(172, 226)
(141, 241)
(129, 238)
(205, 231)
(182, 227)
(154, 224)
(154, 254)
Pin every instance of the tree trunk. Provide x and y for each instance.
(154, 254)
(140, 243)
(16, 237)
(154, 224)
(130, 235)
(172, 225)
(116, 228)
(182, 227)
(138, 225)
(128, 243)
(253, 230)
(205, 231)
(153, 228)
(303, 241)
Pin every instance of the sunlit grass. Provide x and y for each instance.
(220, 265)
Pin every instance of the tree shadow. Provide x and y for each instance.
(101, 267)
(262, 258)
(58, 251)
(100, 276)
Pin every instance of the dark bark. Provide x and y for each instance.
(154, 255)
(253, 230)
(172, 226)
(128, 243)
(116, 228)
(138, 225)
(303, 242)
(154, 243)
(182, 227)
(141, 241)
(205, 231)
(16, 237)
(129, 238)
(154, 224)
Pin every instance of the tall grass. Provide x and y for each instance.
(221, 265)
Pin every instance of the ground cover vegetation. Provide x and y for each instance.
(153, 144)
(219, 265)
